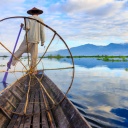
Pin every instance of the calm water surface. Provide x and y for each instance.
(99, 90)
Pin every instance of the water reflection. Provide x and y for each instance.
(93, 62)
(123, 113)
(99, 91)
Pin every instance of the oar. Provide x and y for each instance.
(10, 61)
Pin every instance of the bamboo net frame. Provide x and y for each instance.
(29, 73)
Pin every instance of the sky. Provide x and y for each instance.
(79, 22)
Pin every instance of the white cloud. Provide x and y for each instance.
(6, 2)
(93, 20)
(94, 7)
(81, 5)
(80, 21)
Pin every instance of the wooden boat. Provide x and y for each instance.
(36, 102)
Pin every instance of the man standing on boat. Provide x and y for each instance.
(34, 34)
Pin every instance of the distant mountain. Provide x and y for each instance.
(90, 50)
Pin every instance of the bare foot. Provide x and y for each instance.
(8, 64)
(35, 72)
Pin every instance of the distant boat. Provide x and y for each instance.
(35, 101)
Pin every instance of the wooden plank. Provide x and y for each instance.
(58, 114)
(27, 122)
(5, 113)
(49, 113)
(16, 94)
(60, 118)
(44, 121)
(36, 118)
(7, 105)
(18, 110)
(20, 119)
(11, 101)
(20, 89)
(21, 123)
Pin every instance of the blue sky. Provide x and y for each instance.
(79, 22)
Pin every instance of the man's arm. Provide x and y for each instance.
(42, 34)
(26, 24)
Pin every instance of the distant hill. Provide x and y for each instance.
(90, 50)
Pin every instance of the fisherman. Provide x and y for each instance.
(35, 34)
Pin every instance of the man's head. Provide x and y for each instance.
(35, 11)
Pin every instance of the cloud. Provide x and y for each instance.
(91, 20)
(93, 7)
(7, 2)
(82, 5)
(78, 22)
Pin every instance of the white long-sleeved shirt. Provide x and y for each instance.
(35, 30)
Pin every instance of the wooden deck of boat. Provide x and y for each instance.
(38, 114)
(35, 105)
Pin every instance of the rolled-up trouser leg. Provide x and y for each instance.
(22, 49)
(34, 56)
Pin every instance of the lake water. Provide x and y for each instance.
(99, 90)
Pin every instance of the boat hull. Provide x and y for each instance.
(47, 106)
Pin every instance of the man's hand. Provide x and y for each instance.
(21, 25)
(42, 43)
(9, 64)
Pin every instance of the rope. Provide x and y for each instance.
(45, 90)
(12, 54)
(27, 96)
(13, 71)
(38, 70)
